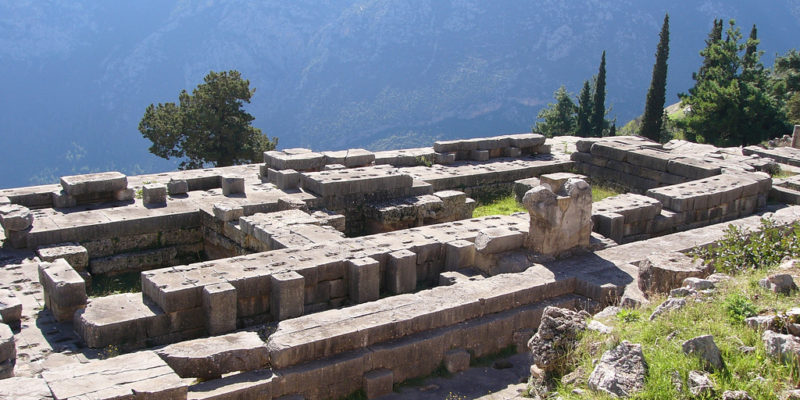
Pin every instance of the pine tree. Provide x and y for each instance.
(558, 118)
(652, 121)
(785, 84)
(584, 111)
(597, 120)
(730, 104)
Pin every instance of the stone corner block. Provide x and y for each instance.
(231, 184)
(286, 295)
(64, 289)
(154, 193)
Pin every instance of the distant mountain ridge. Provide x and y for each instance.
(75, 77)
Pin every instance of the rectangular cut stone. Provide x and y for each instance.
(304, 160)
(232, 185)
(556, 180)
(286, 295)
(227, 212)
(76, 255)
(284, 179)
(76, 185)
(351, 158)
(10, 308)
(378, 382)
(64, 289)
(363, 275)
(459, 254)
(456, 360)
(154, 193)
(401, 272)
(480, 155)
(219, 306)
(134, 376)
(177, 186)
(211, 357)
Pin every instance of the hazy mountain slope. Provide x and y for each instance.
(75, 77)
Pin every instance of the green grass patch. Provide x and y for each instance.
(103, 285)
(506, 205)
(601, 191)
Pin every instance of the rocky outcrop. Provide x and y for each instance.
(556, 336)
(621, 371)
(705, 348)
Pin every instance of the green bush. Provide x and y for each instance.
(740, 249)
(739, 307)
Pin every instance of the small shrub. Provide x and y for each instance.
(738, 308)
(627, 315)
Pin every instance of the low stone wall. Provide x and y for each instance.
(409, 212)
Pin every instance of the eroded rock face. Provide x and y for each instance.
(705, 348)
(621, 371)
(557, 334)
(700, 383)
(561, 218)
(781, 346)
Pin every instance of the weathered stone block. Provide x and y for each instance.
(22, 388)
(177, 186)
(141, 375)
(219, 306)
(14, 217)
(123, 195)
(76, 255)
(284, 179)
(444, 158)
(8, 349)
(77, 185)
(560, 222)
(456, 360)
(363, 275)
(62, 200)
(286, 295)
(401, 272)
(459, 254)
(479, 155)
(498, 240)
(64, 289)
(556, 180)
(232, 184)
(378, 383)
(227, 212)
(154, 193)
(662, 272)
(211, 357)
(512, 152)
(10, 308)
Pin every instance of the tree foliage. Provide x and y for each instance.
(584, 128)
(730, 103)
(558, 118)
(208, 126)
(653, 119)
(785, 79)
(597, 121)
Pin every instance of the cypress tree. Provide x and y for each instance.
(652, 121)
(584, 110)
(597, 120)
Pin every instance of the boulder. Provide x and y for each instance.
(557, 334)
(620, 371)
(705, 348)
(700, 383)
(783, 347)
(736, 395)
(778, 283)
(14, 217)
(698, 284)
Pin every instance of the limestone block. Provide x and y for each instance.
(22, 388)
(351, 158)
(141, 375)
(14, 217)
(64, 289)
(561, 222)
(556, 180)
(76, 255)
(459, 254)
(177, 186)
(378, 383)
(211, 357)
(511, 152)
(124, 195)
(77, 185)
(154, 193)
(401, 272)
(286, 295)
(227, 211)
(284, 179)
(296, 159)
(363, 275)
(232, 184)
(10, 308)
(333, 167)
(498, 240)
(8, 349)
(456, 360)
(219, 306)
(523, 185)
(479, 155)
(661, 272)
(610, 225)
(62, 200)
(444, 158)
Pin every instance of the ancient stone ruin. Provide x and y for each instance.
(318, 274)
